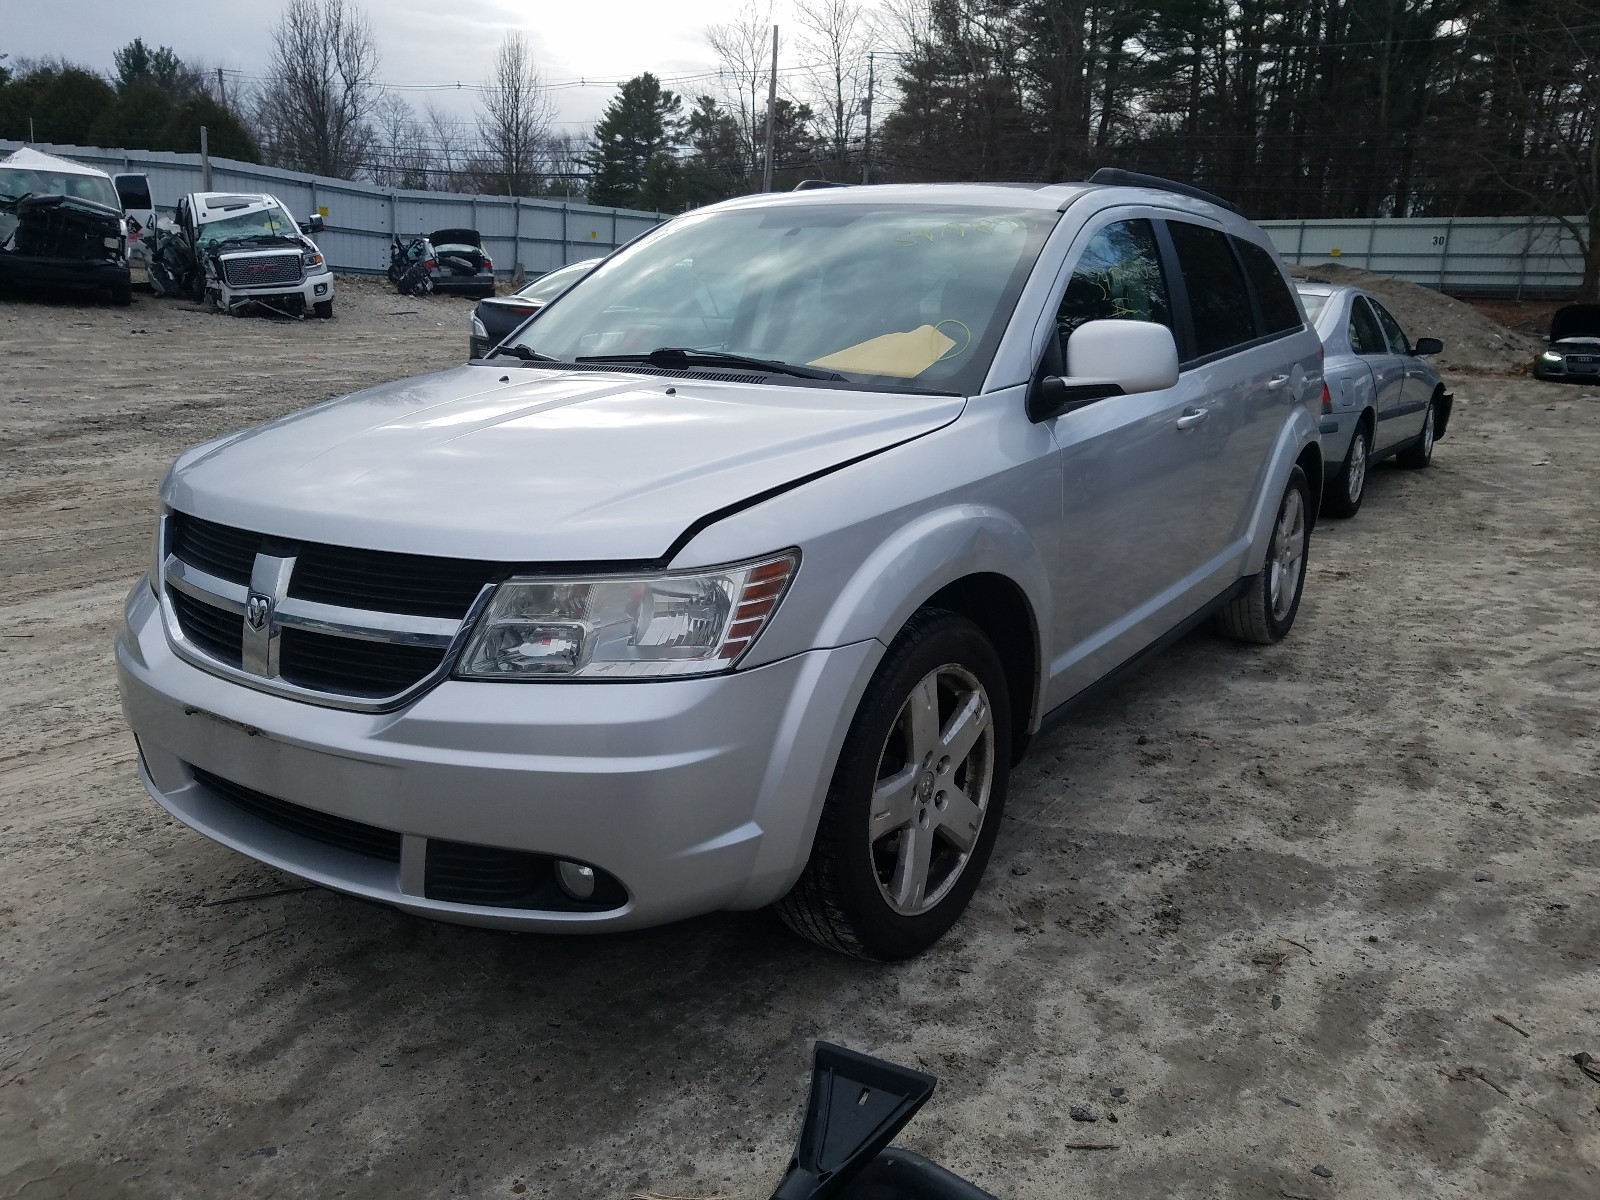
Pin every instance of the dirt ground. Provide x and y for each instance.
(1317, 920)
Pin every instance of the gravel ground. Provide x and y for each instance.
(1325, 912)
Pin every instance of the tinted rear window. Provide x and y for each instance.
(1218, 299)
(1279, 312)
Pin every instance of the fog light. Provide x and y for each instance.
(321, 288)
(575, 880)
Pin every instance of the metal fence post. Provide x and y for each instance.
(1300, 245)
(614, 221)
(516, 237)
(566, 236)
(1444, 251)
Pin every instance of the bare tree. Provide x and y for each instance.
(515, 122)
(317, 102)
(567, 159)
(401, 155)
(744, 48)
(448, 146)
(834, 40)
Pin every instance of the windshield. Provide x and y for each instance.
(550, 285)
(265, 223)
(19, 181)
(1315, 302)
(917, 293)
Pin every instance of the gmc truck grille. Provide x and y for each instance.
(262, 270)
(361, 629)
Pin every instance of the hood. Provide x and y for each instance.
(456, 237)
(1575, 321)
(37, 204)
(547, 466)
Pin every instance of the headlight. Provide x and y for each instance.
(311, 259)
(478, 331)
(626, 626)
(1550, 356)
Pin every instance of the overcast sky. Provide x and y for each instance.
(419, 41)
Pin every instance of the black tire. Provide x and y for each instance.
(841, 901)
(1420, 453)
(1257, 615)
(122, 294)
(1337, 500)
(323, 309)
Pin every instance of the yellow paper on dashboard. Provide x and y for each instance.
(903, 355)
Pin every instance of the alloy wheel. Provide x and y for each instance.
(1287, 554)
(1358, 466)
(932, 788)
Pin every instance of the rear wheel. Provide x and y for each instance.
(1420, 453)
(1266, 610)
(1345, 491)
(915, 802)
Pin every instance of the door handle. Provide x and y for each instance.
(1192, 417)
(1277, 381)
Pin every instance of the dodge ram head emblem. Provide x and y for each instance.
(256, 608)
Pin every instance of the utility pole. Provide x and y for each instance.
(866, 146)
(772, 103)
(222, 95)
(205, 161)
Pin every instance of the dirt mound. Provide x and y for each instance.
(1472, 341)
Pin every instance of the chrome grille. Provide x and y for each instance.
(261, 270)
(351, 628)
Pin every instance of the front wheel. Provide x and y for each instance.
(915, 802)
(323, 309)
(1265, 612)
(1420, 453)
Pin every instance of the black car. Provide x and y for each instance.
(61, 226)
(446, 260)
(1574, 350)
(497, 316)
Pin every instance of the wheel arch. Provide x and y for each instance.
(997, 606)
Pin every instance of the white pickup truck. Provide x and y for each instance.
(238, 251)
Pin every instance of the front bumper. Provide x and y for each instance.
(694, 794)
(74, 273)
(313, 289)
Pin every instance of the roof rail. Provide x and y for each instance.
(1116, 177)
(806, 185)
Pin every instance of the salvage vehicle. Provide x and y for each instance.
(241, 252)
(446, 260)
(1573, 349)
(61, 226)
(1381, 397)
(497, 316)
(743, 574)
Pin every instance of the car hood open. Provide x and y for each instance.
(1575, 321)
(532, 465)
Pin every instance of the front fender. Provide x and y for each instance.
(1298, 435)
(923, 556)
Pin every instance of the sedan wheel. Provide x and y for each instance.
(1420, 453)
(1346, 489)
(916, 797)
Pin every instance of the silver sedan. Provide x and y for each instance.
(1381, 397)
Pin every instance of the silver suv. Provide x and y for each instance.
(745, 571)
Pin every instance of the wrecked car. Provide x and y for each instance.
(446, 260)
(1573, 352)
(241, 252)
(61, 226)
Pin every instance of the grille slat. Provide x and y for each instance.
(217, 631)
(263, 270)
(338, 832)
(348, 666)
(413, 584)
(216, 549)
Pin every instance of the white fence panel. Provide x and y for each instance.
(1492, 255)
(535, 234)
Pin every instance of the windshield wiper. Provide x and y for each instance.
(683, 356)
(523, 353)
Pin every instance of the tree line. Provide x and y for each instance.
(1290, 108)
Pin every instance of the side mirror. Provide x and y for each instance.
(1426, 346)
(1112, 357)
(315, 224)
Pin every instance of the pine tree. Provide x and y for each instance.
(633, 161)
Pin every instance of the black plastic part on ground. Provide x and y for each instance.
(856, 1106)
